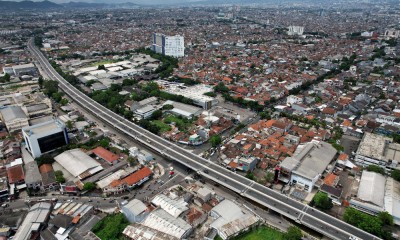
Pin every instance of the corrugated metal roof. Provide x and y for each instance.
(135, 206)
(173, 207)
(372, 188)
(12, 113)
(76, 162)
(162, 221)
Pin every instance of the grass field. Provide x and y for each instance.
(261, 233)
(180, 123)
(111, 227)
(163, 126)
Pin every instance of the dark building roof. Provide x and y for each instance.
(63, 221)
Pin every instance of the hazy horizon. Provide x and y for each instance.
(116, 1)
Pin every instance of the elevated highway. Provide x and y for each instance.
(297, 211)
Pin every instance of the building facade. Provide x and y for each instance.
(45, 137)
(378, 150)
(14, 118)
(168, 45)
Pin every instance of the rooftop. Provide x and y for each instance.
(372, 188)
(44, 127)
(15, 174)
(392, 199)
(23, 66)
(379, 147)
(162, 221)
(135, 206)
(173, 207)
(310, 160)
(12, 113)
(105, 154)
(77, 162)
(36, 216)
(137, 231)
(32, 173)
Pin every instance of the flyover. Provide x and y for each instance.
(297, 211)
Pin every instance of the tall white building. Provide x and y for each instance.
(45, 137)
(392, 33)
(295, 30)
(169, 45)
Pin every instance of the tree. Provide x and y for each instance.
(221, 88)
(59, 176)
(50, 87)
(269, 177)
(128, 114)
(157, 114)
(168, 107)
(322, 201)
(101, 67)
(386, 218)
(132, 161)
(250, 176)
(104, 143)
(57, 96)
(377, 169)
(293, 233)
(6, 77)
(395, 174)
(89, 186)
(44, 159)
(38, 41)
(64, 102)
(215, 140)
(69, 125)
(366, 222)
(210, 94)
(40, 82)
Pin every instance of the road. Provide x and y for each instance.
(301, 213)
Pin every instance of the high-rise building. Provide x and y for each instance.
(45, 137)
(295, 30)
(168, 45)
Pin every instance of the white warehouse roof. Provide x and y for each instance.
(77, 162)
(135, 206)
(392, 199)
(161, 221)
(372, 188)
(173, 207)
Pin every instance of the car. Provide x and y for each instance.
(125, 197)
(90, 200)
(4, 205)
(205, 171)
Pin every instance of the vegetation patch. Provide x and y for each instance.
(111, 227)
(163, 127)
(261, 233)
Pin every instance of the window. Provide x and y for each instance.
(51, 142)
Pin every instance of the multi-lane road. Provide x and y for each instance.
(299, 212)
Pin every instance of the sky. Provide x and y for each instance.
(120, 1)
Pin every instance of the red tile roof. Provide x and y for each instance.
(134, 177)
(330, 179)
(343, 156)
(15, 174)
(329, 111)
(193, 214)
(105, 154)
(45, 168)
